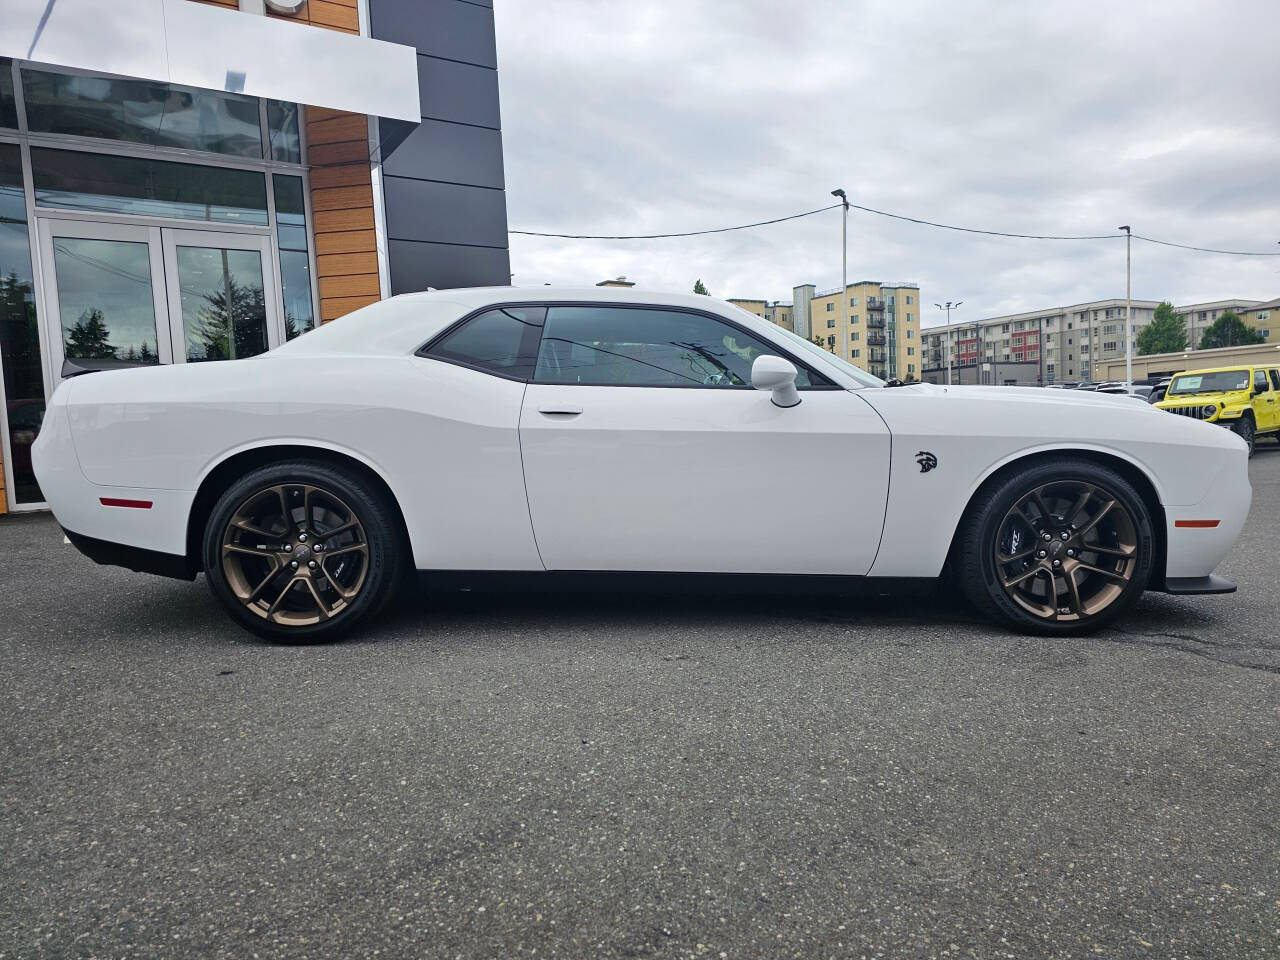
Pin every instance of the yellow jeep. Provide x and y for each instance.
(1245, 399)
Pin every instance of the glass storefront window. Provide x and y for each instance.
(22, 367)
(104, 297)
(295, 266)
(142, 111)
(8, 107)
(224, 314)
(283, 128)
(152, 188)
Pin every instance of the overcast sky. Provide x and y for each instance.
(1045, 117)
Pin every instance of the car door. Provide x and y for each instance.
(1264, 401)
(1270, 401)
(646, 449)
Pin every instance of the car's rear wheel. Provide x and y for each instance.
(300, 552)
(1247, 431)
(1058, 548)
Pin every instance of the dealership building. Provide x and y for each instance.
(191, 181)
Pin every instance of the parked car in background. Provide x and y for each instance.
(1159, 387)
(561, 431)
(1244, 399)
(25, 417)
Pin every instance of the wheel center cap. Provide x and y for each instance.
(302, 553)
(1056, 547)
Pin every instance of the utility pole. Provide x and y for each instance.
(1128, 309)
(947, 339)
(844, 265)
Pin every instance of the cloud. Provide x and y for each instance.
(660, 116)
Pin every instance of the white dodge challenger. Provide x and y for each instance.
(504, 430)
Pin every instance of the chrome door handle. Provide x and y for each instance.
(559, 410)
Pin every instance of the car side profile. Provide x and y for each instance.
(1244, 399)
(558, 430)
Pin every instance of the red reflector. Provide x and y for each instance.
(1196, 523)
(117, 502)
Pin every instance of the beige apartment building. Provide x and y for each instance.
(878, 329)
(1062, 344)
(775, 311)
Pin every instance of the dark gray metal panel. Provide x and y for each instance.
(443, 186)
(448, 151)
(445, 213)
(440, 28)
(416, 266)
(459, 92)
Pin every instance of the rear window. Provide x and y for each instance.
(503, 342)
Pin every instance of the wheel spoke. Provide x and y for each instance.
(1113, 551)
(1011, 557)
(250, 529)
(330, 534)
(352, 548)
(1040, 505)
(1085, 496)
(285, 512)
(1110, 574)
(287, 587)
(323, 610)
(1073, 593)
(256, 594)
(1024, 575)
(341, 591)
(248, 551)
(1093, 521)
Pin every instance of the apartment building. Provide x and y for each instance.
(1199, 317)
(779, 312)
(756, 307)
(878, 329)
(1036, 347)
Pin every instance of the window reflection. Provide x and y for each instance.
(224, 312)
(105, 303)
(295, 266)
(20, 361)
(283, 128)
(153, 188)
(142, 111)
(8, 106)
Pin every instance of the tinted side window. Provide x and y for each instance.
(1275, 379)
(1260, 381)
(642, 347)
(502, 342)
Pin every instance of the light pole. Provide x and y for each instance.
(1128, 311)
(947, 340)
(844, 260)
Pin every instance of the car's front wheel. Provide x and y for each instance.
(300, 552)
(1058, 548)
(1247, 431)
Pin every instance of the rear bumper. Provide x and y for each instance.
(1188, 585)
(138, 559)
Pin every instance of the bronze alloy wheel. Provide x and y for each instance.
(1066, 551)
(295, 554)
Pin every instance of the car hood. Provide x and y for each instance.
(1038, 395)
(1201, 399)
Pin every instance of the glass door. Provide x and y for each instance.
(106, 297)
(222, 301)
(124, 296)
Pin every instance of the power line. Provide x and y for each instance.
(989, 233)
(892, 216)
(663, 236)
(1183, 246)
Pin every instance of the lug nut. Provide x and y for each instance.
(1071, 553)
(288, 548)
(294, 564)
(1065, 535)
(1047, 537)
(1057, 563)
(318, 547)
(311, 564)
(1041, 554)
(302, 537)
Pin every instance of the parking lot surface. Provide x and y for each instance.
(560, 775)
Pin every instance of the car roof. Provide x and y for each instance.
(1230, 369)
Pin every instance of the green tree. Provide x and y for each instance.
(820, 341)
(1229, 331)
(232, 324)
(1164, 334)
(89, 338)
(700, 287)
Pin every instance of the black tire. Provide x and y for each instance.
(992, 514)
(378, 555)
(1246, 430)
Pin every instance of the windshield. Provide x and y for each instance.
(1220, 382)
(857, 374)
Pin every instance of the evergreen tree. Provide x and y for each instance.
(700, 287)
(1229, 331)
(89, 338)
(231, 325)
(1165, 333)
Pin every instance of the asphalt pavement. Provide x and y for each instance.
(558, 775)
